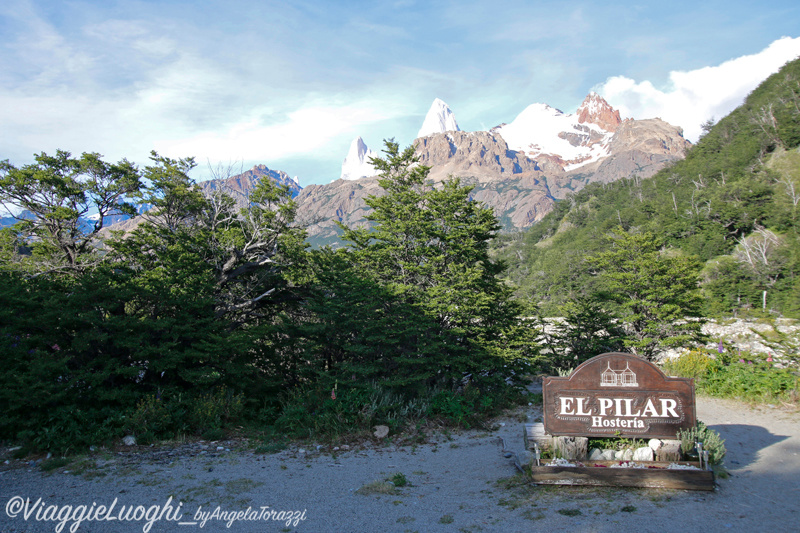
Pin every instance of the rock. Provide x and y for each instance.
(381, 431)
(670, 450)
(345, 447)
(608, 455)
(596, 110)
(618, 454)
(129, 440)
(654, 444)
(627, 454)
(643, 454)
(596, 454)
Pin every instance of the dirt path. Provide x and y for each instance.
(456, 483)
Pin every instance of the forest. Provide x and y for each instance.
(208, 319)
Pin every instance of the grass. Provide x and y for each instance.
(377, 487)
(56, 462)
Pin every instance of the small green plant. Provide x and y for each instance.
(399, 480)
(628, 509)
(446, 519)
(270, 447)
(711, 440)
(570, 512)
(54, 463)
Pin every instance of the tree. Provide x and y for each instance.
(761, 253)
(655, 290)
(587, 330)
(428, 251)
(57, 195)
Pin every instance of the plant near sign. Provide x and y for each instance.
(712, 442)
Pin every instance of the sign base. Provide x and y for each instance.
(604, 476)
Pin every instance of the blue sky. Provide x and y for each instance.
(290, 84)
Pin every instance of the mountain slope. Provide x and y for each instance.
(732, 193)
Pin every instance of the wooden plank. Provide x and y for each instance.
(658, 464)
(624, 477)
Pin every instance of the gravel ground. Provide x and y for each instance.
(456, 483)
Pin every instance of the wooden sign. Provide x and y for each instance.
(617, 394)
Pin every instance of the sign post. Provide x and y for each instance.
(617, 395)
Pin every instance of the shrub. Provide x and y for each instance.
(693, 364)
(711, 440)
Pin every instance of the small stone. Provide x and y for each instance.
(627, 454)
(301, 450)
(654, 444)
(643, 454)
(596, 454)
(336, 448)
(618, 454)
(345, 447)
(608, 455)
(670, 450)
(129, 440)
(49, 455)
(381, 431)
(220, 448)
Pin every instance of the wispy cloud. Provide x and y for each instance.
(692, 97)
(292, 83)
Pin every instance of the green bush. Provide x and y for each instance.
(693, 364)
(735, 375)
(711, 440)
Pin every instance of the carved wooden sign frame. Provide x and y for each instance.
(618, 394)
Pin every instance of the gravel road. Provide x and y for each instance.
(458, 482)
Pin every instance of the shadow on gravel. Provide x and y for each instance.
(744, 442)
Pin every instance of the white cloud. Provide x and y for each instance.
(698, 95)
(303, 131)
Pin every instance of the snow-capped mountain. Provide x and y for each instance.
(519, 169)
(570, 140)
(440, 118)
(356, 165)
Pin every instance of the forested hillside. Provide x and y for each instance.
(732, 204)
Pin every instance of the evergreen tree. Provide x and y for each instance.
(428, 249)
(655, 291)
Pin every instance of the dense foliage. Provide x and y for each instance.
(204, 315)
(732, 204)
(733, 374)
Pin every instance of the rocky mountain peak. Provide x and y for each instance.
(356, 165)
(595, 110)
(440, 118)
